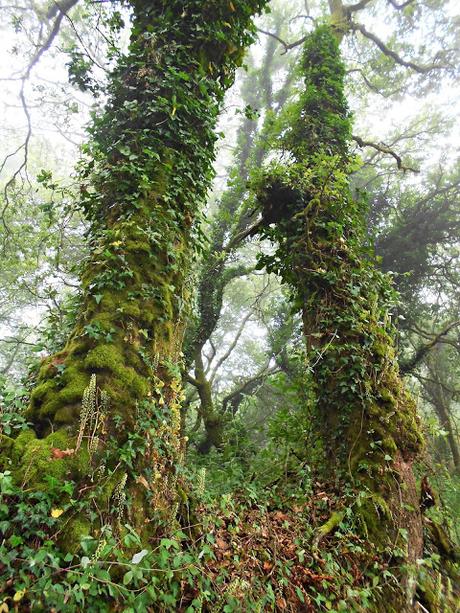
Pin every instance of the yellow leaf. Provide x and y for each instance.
(19, 595)
(232, 6)
(56, 513)
(116, 243)
(4, 608)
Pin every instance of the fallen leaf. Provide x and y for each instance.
(56, 513)
(267, 565)
(281, 603)
(221, 544)
(58, 454)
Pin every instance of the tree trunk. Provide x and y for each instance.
(144, 177)
(213, 421)
(437, 391)
(365, 431)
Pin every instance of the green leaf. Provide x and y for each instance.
(128, 577)
(300, 594)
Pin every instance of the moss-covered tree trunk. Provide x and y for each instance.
(364, 435)
(144, 175)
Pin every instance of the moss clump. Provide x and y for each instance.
(53, 394)
(73, 532)
(34, 459)
(126, 382)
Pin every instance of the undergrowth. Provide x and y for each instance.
(243, 542)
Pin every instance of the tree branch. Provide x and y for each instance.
(191, 380)
(400, 6)
(287, 46)
(352, 8)
(236, 396)
(61, 11)
(386, 150)
(232, 346)
(421, 69)
(407, 367)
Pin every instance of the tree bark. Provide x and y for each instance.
(365, 430)
(144, 177)
(438, 393)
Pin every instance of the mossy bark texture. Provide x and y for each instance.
(144, 176)
(365, 431)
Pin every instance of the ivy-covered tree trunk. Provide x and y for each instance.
(144, 176)
(365, 434)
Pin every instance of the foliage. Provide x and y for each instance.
(113, 518)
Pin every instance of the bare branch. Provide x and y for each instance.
(232, 346)
(352, 8)
(287, 46)
(386, 150)
(421, 69)
(407, 367)
(191, 380)
(235, 397)
(400, 6)
(61, 10)
(371, 85)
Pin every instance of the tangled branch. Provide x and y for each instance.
(386, 150)
(59, 11)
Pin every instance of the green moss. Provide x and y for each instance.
(108, 357)
(387, 395)
(67, 414)
(75, 383)
(6, 447)
(104, 319)
(52, 395)
(33, 459)
(138, 246)
(110, 301)
(73, 533)
(41, 390)
(131, 309)
(105, 357)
